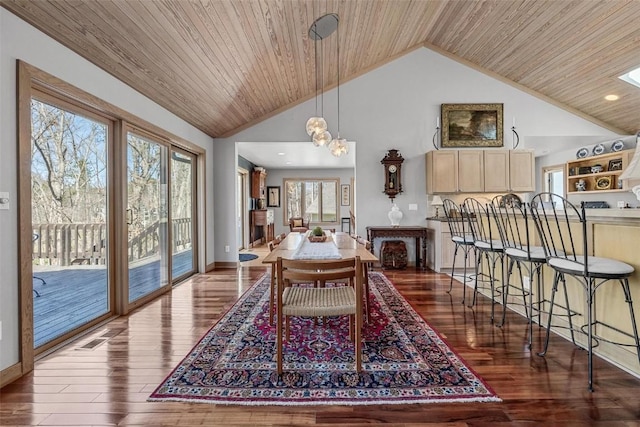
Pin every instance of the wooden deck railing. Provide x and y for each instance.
(68, 244)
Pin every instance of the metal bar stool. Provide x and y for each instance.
(516, 232)
(461, 237)
(487, 243)
(567, 252)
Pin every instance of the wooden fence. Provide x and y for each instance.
(69, 244)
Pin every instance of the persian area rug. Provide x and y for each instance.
(404, 359)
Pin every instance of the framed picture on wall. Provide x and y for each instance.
(472, 125)
(273, 197)
(345, 191)
(615, 165)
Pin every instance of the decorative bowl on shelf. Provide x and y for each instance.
(598, 149)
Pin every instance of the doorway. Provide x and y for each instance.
(242, 209)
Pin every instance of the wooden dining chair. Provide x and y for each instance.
(310, 301)
(365, 278)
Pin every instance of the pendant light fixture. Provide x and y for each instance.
(319, 30)
(316, 124)
(338, 146)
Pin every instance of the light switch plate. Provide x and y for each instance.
(413, 206)
(4, 200)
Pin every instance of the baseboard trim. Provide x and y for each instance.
(226, 264)
(10, 374)
(210, 267)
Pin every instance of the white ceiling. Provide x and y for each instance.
(296, 155)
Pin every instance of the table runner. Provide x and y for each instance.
(317, 250)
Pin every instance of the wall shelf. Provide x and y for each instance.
(574, 175)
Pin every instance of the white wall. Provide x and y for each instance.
(18, 40)
(395, 106)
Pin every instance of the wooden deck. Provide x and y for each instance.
(106, 377)
(75, 295)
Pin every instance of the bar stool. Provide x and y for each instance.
(487, 243)
(567, 252)
(462, 239)
(514, 226)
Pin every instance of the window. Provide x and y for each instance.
(553, 180)
(314, 199)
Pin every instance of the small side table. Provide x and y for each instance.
(416, 232)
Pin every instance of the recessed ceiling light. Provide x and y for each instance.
(632, 77)
(287, 163)
(280, 154)
(612, 97)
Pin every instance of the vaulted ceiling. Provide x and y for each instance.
(223, 65)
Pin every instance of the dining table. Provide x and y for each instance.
(288, 248)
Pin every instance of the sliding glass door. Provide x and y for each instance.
(183, 204)
(69, 219)
(147, 215)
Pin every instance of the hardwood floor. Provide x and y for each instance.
(105, 377)
(75, 295)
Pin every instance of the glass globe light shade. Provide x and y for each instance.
(316, 125)
(321, 138)
(338, 147)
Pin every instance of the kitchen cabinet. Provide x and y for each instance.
(440, 249)
(480, 171)
(522, 171)
(496, 172)
(442, 171)
(471, 171)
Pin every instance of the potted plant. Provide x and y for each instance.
(317, 235)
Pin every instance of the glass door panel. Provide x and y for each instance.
(183, 190)
(146, 216)
(69, 220)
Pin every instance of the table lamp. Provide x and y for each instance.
(437, 202)
(632, 173)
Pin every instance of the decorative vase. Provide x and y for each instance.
(395, 215)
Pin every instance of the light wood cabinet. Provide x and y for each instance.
(471, 171)
(522, 174)
(496, 171)
(442, 171)
(605, 181)
(440, 249)
(480, 171)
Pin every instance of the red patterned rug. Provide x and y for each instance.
(404, 359)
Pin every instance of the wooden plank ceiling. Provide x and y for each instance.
(223, 65)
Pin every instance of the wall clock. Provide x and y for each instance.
(392, 163)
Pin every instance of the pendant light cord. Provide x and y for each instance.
(338, 80)
(322, 77)
(315, 58)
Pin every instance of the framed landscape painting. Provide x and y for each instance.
(472, 125)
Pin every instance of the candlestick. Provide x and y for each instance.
(514, 121)
(437, 122)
